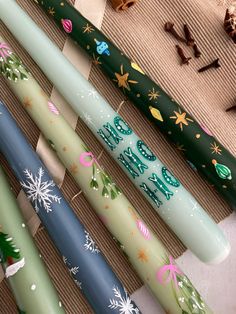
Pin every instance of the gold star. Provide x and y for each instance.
(142, 256)
(96, 60)
(215, 149)
(27, 102)
(123, 79)
(153, 95)
(181, 119)
(88, 29)
(73, 168)
(62, 4)
(180, 147)
(51, 11)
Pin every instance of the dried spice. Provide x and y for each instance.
(169, 27)
(215, 64)
(184, 59)
(189, 38)
(230, 22)
(197, 52)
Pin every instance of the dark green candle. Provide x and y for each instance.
(202, 151)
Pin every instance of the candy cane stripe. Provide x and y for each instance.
(53, 108)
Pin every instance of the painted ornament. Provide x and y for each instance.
(144, 230)
(156, 113)
(136, 67)
(223, 171)
(53, 108)
(102, 48)
(67, 25)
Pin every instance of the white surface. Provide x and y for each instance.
(216, 283)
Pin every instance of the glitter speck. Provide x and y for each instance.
(23, 225)
(33, 287)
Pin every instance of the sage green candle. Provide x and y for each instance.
(23, 267)
(146, 253)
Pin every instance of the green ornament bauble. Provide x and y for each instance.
(223, 171)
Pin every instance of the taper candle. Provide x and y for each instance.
(22, 265)
(143, 249)
(80, 253)
(155, 265)
(199, 146)
(161, 188)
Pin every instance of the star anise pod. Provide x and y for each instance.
(230, 22)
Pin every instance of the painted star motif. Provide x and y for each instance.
(181, 119)
(96, 60)
(73, 168)
(27, 102)
(88, 29)
(153, 95)
(51, 11)
(180, 147)
(87, 118)
(123, 79)
(142, 256)
(215, 149)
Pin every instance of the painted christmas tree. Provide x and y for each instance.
(9, 253)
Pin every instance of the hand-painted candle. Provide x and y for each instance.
(150, 258)
(198, 146)
(136, 239)
(25, 271)
(173, 203)
(81, 254)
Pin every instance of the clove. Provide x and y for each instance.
(184, 59)
(189, 38)
(230, 22)
(169, 28)
(215, 64)
(197, 52)
(231, 108)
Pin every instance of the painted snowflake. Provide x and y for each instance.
(123, 304)
(78, 283)
(38, 191)
(74, 270)
(90, 93)
(89, 244)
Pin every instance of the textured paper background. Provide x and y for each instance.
(139, 32)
